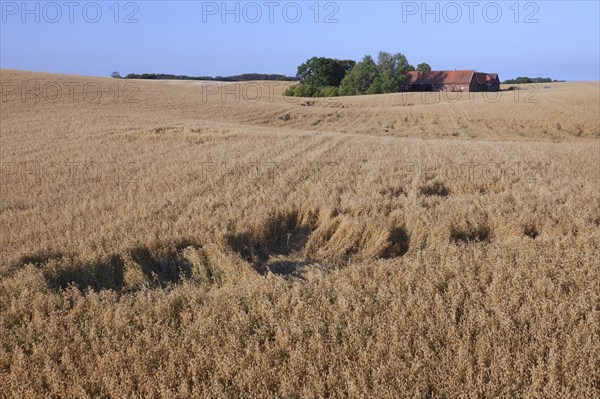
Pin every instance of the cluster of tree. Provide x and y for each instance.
(236, 78)
(524, 79)
(329, 77)
(320, 76)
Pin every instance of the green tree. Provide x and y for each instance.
(319, 72)
(360, 78)
(392, 68)
(424, 67)
(299, 90)
(522, 79)
(331, 77)
(115, 75)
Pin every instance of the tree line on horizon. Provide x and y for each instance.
(235, 78)
(330, 77)
(524, 80)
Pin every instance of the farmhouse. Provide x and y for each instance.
(468, 80)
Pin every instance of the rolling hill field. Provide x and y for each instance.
(196, 239)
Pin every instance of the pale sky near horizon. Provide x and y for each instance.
(557, 39)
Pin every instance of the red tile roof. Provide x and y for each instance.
(484, 78)
(440, 77)
(462, 77)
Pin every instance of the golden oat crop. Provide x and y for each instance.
(187, 239)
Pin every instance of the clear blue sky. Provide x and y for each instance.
(189, 37)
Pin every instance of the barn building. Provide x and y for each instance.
(451, 81)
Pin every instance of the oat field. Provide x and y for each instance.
(191, 239)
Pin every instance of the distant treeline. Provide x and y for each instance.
(524, 79)
(236, 78)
